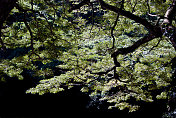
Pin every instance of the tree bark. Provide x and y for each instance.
(170, 13)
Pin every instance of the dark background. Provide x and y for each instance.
(15, 103)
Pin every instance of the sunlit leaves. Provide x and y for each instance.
(163, 95)
(52, 85)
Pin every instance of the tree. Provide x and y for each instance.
(117, 50)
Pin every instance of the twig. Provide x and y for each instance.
(112, 31)
(115, 23)
(91, 4)
(30, 31)
(149, 11)
(133, 9)
(155, 45)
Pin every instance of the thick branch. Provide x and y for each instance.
(133, 47)
(127, 14)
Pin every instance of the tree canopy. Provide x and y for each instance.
(118, 50)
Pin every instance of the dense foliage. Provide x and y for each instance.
(87, 40)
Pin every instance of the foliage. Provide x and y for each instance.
(44, 35)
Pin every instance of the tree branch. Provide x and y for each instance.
(30, 31)
(127, 14)
(115, 23)
(155, 45)
(133, 47)
(29, 28)
(156, 31)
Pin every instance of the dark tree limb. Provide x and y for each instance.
(127, 14)
(154, 31)
(133, 47)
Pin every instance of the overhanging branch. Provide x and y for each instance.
(127, 14)
(133, 47)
